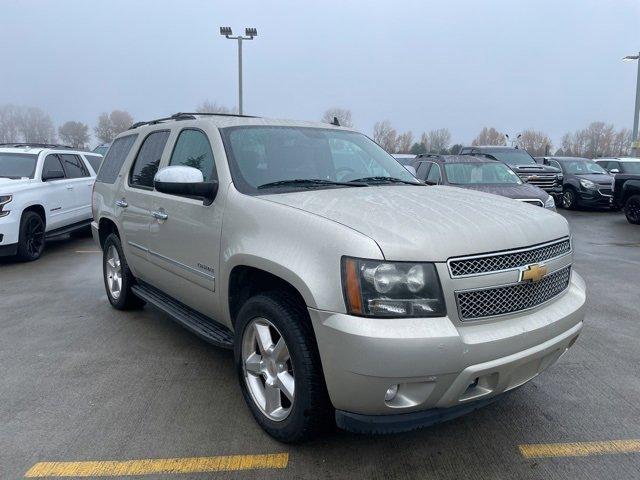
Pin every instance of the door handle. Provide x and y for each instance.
(121, 203)
(69, 187)
(160, 215)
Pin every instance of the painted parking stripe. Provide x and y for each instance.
(579, 449)
(112, 468)
(88, 251)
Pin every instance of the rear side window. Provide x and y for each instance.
(193, 150)
(115, 158)
(73, 166)
(51, 164)
(434, 174)
(146, 163)
(94, 161)
(423, 169)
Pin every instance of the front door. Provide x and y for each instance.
(135, 201)
(80, 183)
(185, 236)
(57, 194)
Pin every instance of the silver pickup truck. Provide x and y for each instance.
(350, 292)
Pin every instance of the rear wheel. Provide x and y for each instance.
(31, 239)
(568, 199)
(632, 209)
(118, 279)
(279, 368)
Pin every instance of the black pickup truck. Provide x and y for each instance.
(548, 178)
(626, 195)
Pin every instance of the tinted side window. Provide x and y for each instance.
(193, 150)
(94, 161)
(146, 163)
(73, 166)
(613, 165)
(553, 163)
(434, 174)
(51, 164)
(423, 169)
(115, 158)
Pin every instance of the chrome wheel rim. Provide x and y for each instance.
(567, 199)
(113, 271)
(267, 369)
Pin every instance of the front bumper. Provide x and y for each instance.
(437, 362)
(9, 234)
(593, 198)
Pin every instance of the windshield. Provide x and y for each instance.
(285, 158)
(582, 167)
(101, 149)
(17, 165)
(480, 173)
(632, 167)
(511, 157)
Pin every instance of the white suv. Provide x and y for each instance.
(45, 191)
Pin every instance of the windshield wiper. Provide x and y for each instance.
(310, 182)
(385, 180)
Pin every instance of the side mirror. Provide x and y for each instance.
(411, 170)
(614, 170)
(52, 175)
(185, 181)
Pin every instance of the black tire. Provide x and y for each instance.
(311, 411)
(31, 239)
(126, 299)
(632, 209)
(569, 199)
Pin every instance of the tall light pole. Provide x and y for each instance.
(249, 34)
(635, 141)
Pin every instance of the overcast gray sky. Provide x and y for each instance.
(552, 65)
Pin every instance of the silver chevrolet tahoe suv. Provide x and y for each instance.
(350, 293)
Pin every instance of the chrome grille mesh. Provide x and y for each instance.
(507, 260)
(489, 302)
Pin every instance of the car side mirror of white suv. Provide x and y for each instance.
(185, 181)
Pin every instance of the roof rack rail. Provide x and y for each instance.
(37, 145)
(430, 155)
(186, 116)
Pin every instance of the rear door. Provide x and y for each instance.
(57, 194)
(186, 245)
(80, 183)
(135, 201)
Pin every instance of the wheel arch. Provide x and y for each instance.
(106, 227)
(37, 208)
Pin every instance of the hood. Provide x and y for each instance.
(518, 192)
(534, 168)
(600, 179)
(9, 184)
(430, 223)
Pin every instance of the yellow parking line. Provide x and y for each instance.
(111, 468)
(579, 449)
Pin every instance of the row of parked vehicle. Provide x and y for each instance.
(545, 181)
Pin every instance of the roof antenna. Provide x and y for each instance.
(335, 122)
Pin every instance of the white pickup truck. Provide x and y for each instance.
(45, 191)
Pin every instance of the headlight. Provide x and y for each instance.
(588, 184)
(550, 203)
(375, 288)
(4, 199)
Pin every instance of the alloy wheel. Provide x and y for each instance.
(632, 211)
(34, 236)
(113, 271)
(268, 370)
(567, 199)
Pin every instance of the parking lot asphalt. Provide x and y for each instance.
(81, 382)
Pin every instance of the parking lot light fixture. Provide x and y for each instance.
(635, 141)
(250, 34)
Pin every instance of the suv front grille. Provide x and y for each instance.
(509, 260)
(475, 304)
(542, 180)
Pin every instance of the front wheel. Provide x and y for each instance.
(31, 239)
(278, 365)
(118, 279)
(632, 209)
(568, 199)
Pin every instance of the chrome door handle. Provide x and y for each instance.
(160, 215)
(121, 204)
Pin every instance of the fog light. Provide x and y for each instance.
(392, 391)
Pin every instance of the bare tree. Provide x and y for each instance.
(207, 106)
(424, 140)
(534, 142)
(342, 114)
(385, 136)
(439, 140)
(404, 141)
(622, 143)
(36, 126)
(9, 121)
(112, 124)
(489, 136)
(75, 134)
(597, 140)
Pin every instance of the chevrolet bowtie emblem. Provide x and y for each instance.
(533, 273)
